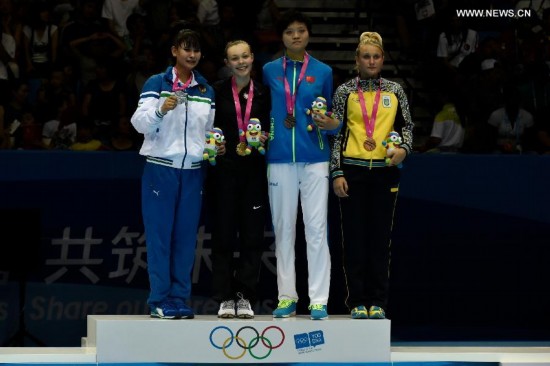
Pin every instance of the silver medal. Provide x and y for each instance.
(182, 96)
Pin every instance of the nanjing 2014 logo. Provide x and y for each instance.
(247, 339)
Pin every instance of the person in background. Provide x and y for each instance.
(455, 43)
(15, 110)
(511, 125)
(175, 110)
(365, 178)
(105, 101)
(85, 140)
(238, 194)
(447, 135)
(40, 42)
(298, 164)
(116, 12)
(60, 132)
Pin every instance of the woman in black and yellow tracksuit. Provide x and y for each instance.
(365, 178)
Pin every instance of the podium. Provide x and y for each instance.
(134, 339)
(207, 339)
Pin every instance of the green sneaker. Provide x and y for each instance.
(359, 312)
(318, 312)
(376, 312)
(286, 308)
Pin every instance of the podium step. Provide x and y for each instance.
(207, 339)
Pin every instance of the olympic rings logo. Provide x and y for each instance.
(239, 339)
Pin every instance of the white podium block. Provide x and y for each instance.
(207, 339)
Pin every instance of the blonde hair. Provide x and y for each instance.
(370, 38)
(234, 43)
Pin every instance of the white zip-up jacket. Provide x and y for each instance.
(176, 139)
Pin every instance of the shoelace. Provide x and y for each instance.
(242, 303)
(285, 303)
(228, 304)
(316, 307)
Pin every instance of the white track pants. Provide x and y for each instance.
(310, 182)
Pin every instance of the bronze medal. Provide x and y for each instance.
(241, 149)
(290, 121)
(369, 144)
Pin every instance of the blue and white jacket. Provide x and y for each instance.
(176, 139)
(297, 144)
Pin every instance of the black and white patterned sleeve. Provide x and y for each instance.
(338, 108)
(408, 125)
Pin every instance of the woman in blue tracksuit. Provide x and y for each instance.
(298, 164)
(175, 110)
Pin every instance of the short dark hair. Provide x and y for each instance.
(290, 17)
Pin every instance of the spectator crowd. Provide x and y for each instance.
(71, 70)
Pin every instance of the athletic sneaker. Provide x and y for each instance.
(359, 312)
(376, 312)
(318, 312)
(244, 310)
(184, 311)
(227, 309)
(286, 308)
(164, 310)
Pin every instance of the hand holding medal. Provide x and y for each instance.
(169, 104)
(179, 89)
(241, 149)
(242, 120)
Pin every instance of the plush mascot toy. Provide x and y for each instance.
(319, 105)
(214, 139)
(390, 143)
(253, 133)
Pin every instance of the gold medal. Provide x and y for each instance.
(290, 121)
(241, 149)
(369, 144)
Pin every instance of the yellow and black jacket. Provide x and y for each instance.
(393, 115)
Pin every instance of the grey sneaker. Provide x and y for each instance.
(227, 309)
(244, 310)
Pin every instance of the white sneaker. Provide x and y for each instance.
(244, 310)
(227, 309)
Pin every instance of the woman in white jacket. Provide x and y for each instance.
(175, 110)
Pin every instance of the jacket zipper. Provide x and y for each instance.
(294, 111)
(185, 136)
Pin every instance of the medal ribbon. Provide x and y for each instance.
(240, 120)
(369, 123)
(176, 87)
(291, 98)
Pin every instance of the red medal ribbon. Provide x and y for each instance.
(369, 123)
(175, 85)
(241, 122)
(291, 98)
